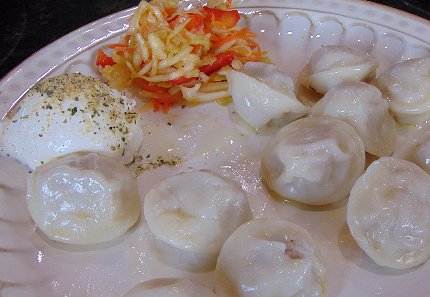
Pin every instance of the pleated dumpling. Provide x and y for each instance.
(331, 65)
(314, 160)
(169, 287)
(270, 257)
(416, 148)
(361, 105)
(388, 213)
(406, 86)
(83, 198)
(191, 215)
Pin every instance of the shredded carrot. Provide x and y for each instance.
(156, 106)
(143, 84)
(116, 45)
(197, 48)
(257, 56)
(164, 102)
(241, 34)
(167, 49)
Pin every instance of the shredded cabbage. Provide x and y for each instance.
(180, 52)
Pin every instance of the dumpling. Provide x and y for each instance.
(270, 75)
(83, 198)
(270, 257)
(407, 87)
(416, 148)
(71, 113)
(263, 96)
(331, 65)
(191, 215)
(169, 287)
(313, 160)
(361, 105)
(388, 213)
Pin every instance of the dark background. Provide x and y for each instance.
(27, 26)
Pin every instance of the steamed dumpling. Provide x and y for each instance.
(416, 148)
(389, 213)
(331, 65)
(270, 257)
(191, 215)
(407, 87)
(361, 105)
(270, 75)
(71, 113)
(83, 198)
(314, 160)
(264, 96)
(169, 287)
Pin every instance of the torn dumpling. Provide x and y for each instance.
(263, 96)
(270, 257)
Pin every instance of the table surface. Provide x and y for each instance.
(27, 26)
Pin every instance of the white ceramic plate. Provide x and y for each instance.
(31, 265)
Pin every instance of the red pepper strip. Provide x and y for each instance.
(222, 60)
(143, 84)
(166, 99)
(162, 98)
(174, 22)
(196, 21)
(181, 80)
(219, 18)
(104, 60)
(170, 10)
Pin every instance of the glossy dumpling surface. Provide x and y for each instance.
(83, 198)
(314, 160)
(361, 105)
(192, 214)
(264, 96)
(407, 86)
(333, 64)
(169, 288)
(389, 213)
(270, 257)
